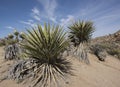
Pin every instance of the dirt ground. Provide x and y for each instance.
(97, 74)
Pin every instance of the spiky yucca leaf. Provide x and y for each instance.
(46, 45)
(81, 31)
(80, 34)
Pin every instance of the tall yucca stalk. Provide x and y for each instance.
(46, 46)
(80, 34)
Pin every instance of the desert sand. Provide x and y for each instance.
(96, 74)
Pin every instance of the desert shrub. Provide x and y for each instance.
(99, 51)
(114, 52)
(12, 51)
(10, 41)
(45, 48)
(16, 33)
(12, 47)
(21, 35)
(119, 56)
(111, 48)
(80, 34)
(2, 42)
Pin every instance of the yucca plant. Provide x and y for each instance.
(80, 34)
(12, 49)
(22, 34)
(46, 46)
(16, 33)
(10, 40)
(10, 36)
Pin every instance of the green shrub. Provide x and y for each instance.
(115, 52)
(46, 46)
(111, 48)
(80, 34)
(2, 42)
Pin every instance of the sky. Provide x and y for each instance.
(24, 14)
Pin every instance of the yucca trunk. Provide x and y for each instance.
(12, 51)
(80, 52)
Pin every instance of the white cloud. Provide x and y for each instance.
(28, 23)
(30, 20)
(35, 11)
(50, 7)
(36, 17)
(53, 19)
(36, 14)
(10, 27)
(104, 15)
(66, 21)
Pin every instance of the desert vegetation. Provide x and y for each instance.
(39, 53)
(80, 35)
(13, 49)
(109, 43)
(13, 38)
(2, 42)
(43, 59)
(110, 48)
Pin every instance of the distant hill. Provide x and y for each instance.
(111, 43)
(115, 37)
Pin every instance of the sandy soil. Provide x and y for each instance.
(97, 74)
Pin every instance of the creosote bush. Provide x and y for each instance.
(114, 52)
(45, 46)
(99, 51)
(111, 48)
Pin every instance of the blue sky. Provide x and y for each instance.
(22, 14)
